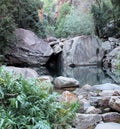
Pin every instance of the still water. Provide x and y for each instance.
(91, 75)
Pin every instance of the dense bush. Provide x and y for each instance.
(76, 23)
(19, 13)
(106, 15)
(71, 22)
(27, 104)
(7, 22)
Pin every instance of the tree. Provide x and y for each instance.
(19, 14)
(106, 15)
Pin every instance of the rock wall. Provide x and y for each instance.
(81, 51)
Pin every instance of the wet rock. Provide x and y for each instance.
(109, 125)
(111, 117)
(114, 103)
(63, 82)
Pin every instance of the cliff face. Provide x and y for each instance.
(78, 4)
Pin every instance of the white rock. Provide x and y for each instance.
(106, 86)
(109, 125)
(64, 82)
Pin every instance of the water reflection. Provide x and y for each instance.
(87, 75)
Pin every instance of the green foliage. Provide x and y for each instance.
(7, 22)
(102, 15)
(48, 6)
(117, 61)
(77, 24)
(71, 22)
(22, 14)
(25, 104)
(26, 16)
(105, 12)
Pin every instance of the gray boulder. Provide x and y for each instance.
(25, 72)
(87, 121)
(111, 117)
(114, 103)
(82, 50)
(29, 50)
(64, 82)
(106, 86)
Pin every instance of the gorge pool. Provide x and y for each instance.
(91, 75)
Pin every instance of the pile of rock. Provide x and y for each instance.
(56, 44)
(98, 104)
(112, 51)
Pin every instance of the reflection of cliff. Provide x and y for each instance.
(91, 75)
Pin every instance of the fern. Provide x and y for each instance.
(26, 105)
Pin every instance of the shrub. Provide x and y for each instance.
(106, 15)
(76, 23)
(26, 16)
(7, 22)
(117, 61)
(22, 14)
(24, 104)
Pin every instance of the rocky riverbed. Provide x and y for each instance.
(99, 104)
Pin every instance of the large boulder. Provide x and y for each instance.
(29, 50)
(82, 50)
